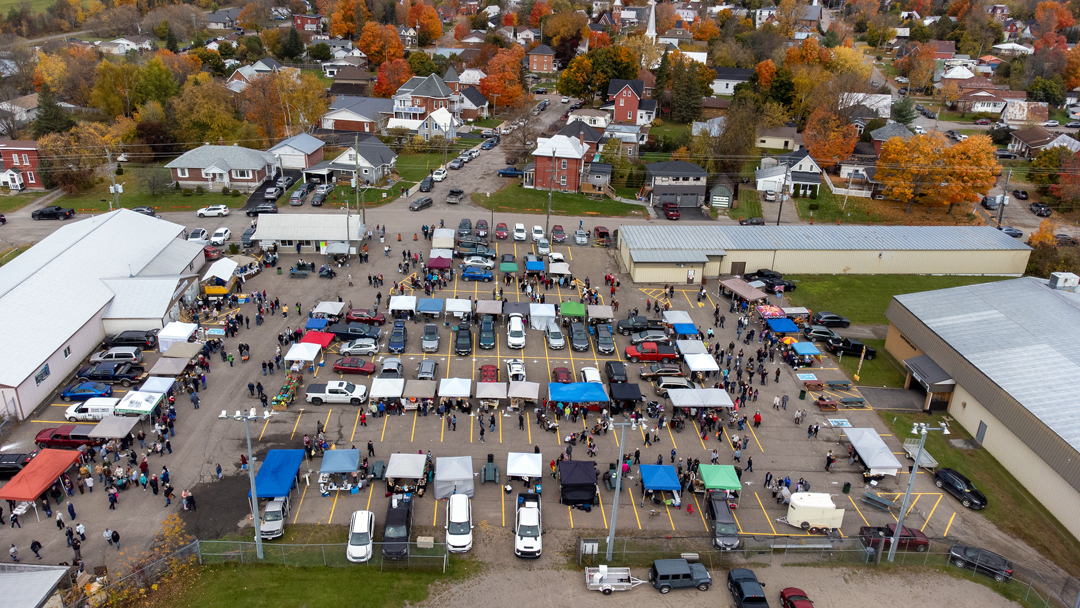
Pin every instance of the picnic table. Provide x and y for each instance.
(813, 385)
(838, 384)
(853, 402)
(877, 501)
(826, 403)
(490, 472)
(378, 469)
(298, 274)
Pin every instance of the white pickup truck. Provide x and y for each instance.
(528, 526)
(337, 391)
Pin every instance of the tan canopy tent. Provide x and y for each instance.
(183, 350)
(169, 366)
(743, 289)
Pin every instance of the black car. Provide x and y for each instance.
(487, 332)
(53, 212)
(579, 337)
(616, 372)
(820, 333)
(850, 347)
(1004, 155)
(134, 337)
(421, 203)
(981, 561)
(762, 273)
(829, 319)
(464, 228)
(318, 199)
(990, 202)
(956, 484)
(1013, 232)
(11, 464)
(463, 340)
(399, 520)
(752, 221)
(777, 284)
(260, 209)
(1021, 195)
(3, 220)
(427, 184)
(1040, 209)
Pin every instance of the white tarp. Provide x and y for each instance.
(408, 466)
(446, 254)
(700, 397)
(674, 317)
(691, 347)
(491, 390)
(157, 385)
(596, 311)
(303, 351)
(701, 363)
(420, 389)
(114, 427)
(223, 269)
(402, 303)
(524, 390)
(329, 308)
(386, 388)
(458, 306)
(443, 238)
(873, 452)
(455, 387)
(559, 268)
(541, 315)
(453, 475)
(174, 332)
(524, 464)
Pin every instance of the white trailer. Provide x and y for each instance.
(813, 512)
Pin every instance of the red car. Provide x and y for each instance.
(793, 597)
(500, 231)
(354, 365)
(489, 373)
(211, 252)
(557, 234)
(481, 228)
(561, 375)
(364, 315)
(983, 121)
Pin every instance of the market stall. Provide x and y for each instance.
(700, 398)
(522, 394)
(690, 347)
(534, 266)
(807, 352)
(183, 350)
(339, 471)
(559, 268)
(175, 332)
(524, 464)
(783, 326)
(453, 475)
(169, 367)
(590, 393)
(431, 307)
(294, 381)
(577, 479)
(277, 475)
(569, 309)
(686, 331)
(872, 451)
(113, 427)
(36, 477)
(328, 309)
(321, 338)
(720, 477)
(453, 389)
(302, 353)
(489, 394)
(440, 259)
(220, 277)
(600, 314)
(509, 267)
(316, 324)
(418, 394)
(385, 390)
(740, 289)
(158, 385)
(407, 473)
(701, 364)
(660, 478)
(625, 396)
(541, 315)
(673, 317)
(489, 307)
(139, 404)
(459, 307)
(443, 238)
(768, 311)
(516, 308)
(402, 305)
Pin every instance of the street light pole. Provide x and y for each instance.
(922, 430)
(618, 486)
(251, 471)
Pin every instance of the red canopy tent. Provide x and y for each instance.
(438, 263)
(44, 470)
(321, 338)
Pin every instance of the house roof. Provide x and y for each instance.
(674, 168)
(805, 177)
(646, 77)
(559, 146)
(615, 85)
(792, 158)
(647, 105)
(589, 112)
(542, 49)
(600, 169)
(740, 74)
(474, 95)
(303, 142)
(425, 86)
(348, 73)
(223, 157)
(784, 131)
(268, 64)
(451, 75)
(354, 89)
(578, 127)
(889, 131)
(374, 151)
(13, 144)
(26, 102)
(224, 15)
(944, 46)
(1035, 137)
(368, 107)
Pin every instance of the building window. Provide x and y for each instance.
(30, 176)
(562, 180)
(622, 102)
(564, 164)
(242, 173)
(287, 243)
(181, 173)
(25, 160)
(67, 352)
(15, 159)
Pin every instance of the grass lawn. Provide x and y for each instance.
(415, 167)
(749, 205)
(135, 195)
(629, 192)
(10, 254)
(832, 208)
(882, 370)
(487, 123)
(11, 202)
(1011, 507)
(671, 130)
(863, 298)
(521, 200)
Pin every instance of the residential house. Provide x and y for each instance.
(474, 40)
(358, 114)
(998, 12)
(408, 36)
(712, 127)
(686, 11)
(648, 82)
(945, 49)
(727, 78)
(446, 13)
(471, 7)
(983, 100)
(307, 23)
(558, 164)
(860, 116)
(135, 43)
(223, 19)
(675, 181)
(779, 138)
(588, 136)
(111, 48)
(527, 36)
(881, 103)
(594, 118)
(627, 102)
(23, 108)
(1020, 111)
(440, 123)
(375, 160)
(301, 151)
(472, 104)
(1029, 142)
(241, 78)
(808, 17)
(990, 61)
(711, 107)
(267, 65)
(631, 138)
(909, 16)
(796, 172)
(675, 36)
(542, 59)
(471, 77)
(506, 33)
(352, 81)
(332, 67)
(214, 167)
(1011, 49)
(1013, 28)
(597, 177)
(19, 165)
(420, 96)
(878, 137)
(764, 15)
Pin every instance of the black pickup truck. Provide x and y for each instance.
(352, 331)
(632, 325)
(53, 213)
(124, 374)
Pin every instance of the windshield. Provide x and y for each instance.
(458, 527)
(726, 529)
(349, 386)
(431, 333)
(606, 341)
(272, 516)
(359, 538)
(555, 334)
(529, 531)
(517, 333)
(394, 532)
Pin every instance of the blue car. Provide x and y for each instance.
(475, 273)
(398, 336)
(82, 391)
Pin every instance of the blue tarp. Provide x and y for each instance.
(339, 461)
(686, 329)
(805, 348)
(535, 266)
(277, 475)
(577, 392)
(316, 324)
(431, 306)
(660, 477)
(783, 326)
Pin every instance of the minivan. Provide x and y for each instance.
(722, 521)
(459, 524)
(91, 409)
(118, 354)
(663, 385)
(397, 529)
(361, 531)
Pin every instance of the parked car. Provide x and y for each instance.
(479, 261)
(579, 337)
(829, 319)
(429, 340)
(773, 284)
(53, 212)
(1051, 123)
(199, 235)
(427, 184)
(1021, 195)
(439, 174)
(990, 203)
(501, 231)
(956, 484)
(11, 464)
(660, 370)
(1004, 155)
(364, 315)
(515, 332)
(213, 210)
(752, 221)
(850, 347)
(543, 247)
(793, 597)
(130, 354)
(272, 193)
(220, 236)
(487, 145)
(398, 336)
(918, 130)
(1064, 240)
(982, 121)
(474, 273)
(360, 346)
(421, 203)
(361, 537)
(1013, 232)
(144, 339)
(511, 172)
(537, 233)
(981, 561)
(399, 519)
(561, 375)
(1040, 209)
(554, 336)
(745, 589)
(392, 368)
(463, 340)
(318, 199)
(428, 369)
(487, 339)
(211, 253)
(296, 198)
(456, 164)
(519, 232)
(1073, 125)
(820, 333)
(260, 209)
(354, 365)
(668, 574)
(557, 234)
(481, 228)
(770, 195)
(81, 391)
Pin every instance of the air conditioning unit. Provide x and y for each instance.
(1066, 281)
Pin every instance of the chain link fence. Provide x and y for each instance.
(426, 556)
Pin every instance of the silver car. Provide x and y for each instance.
(391, 368)
(429, 343)
(555, 339)
(479, 261)
(428, 370)
(650, 335)
(360, 347)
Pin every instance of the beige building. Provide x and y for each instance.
(689, 254)
(1002, 359)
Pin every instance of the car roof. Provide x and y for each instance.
(665, 566)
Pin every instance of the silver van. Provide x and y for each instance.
(118, 354)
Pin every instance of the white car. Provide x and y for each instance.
(591, 374)
(537, 233)
(515, 332)
(199, 235)
(919, 130)
(566, 99)
(479, 260)
(519, 232)
(439, 174)
(543, 247)
(220, 236)
(555, 257)
(459, 524)
(515, 370)
(213, 210)
(902, 80)
(1051, 123)
(361, 533)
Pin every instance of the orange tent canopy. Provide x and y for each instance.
(37, 476)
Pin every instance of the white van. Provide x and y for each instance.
(91, 409)
(459, 524)
(361, 532)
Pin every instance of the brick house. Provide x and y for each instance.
(213, 167)
(19, 160)
(542, 59)
(584, 133)
(998, 12)
(878, 137)
(307, 23)
(558, 164)
(628, 103)
(420, 96)
(358, 114)
(945, 49)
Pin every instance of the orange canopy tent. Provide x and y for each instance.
(39, 475)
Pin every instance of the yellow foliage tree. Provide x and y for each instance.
(846, 59)
(1044, 236)
(51, 70)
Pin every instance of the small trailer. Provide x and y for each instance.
(607, 579)
(926, 461)
(813, 512)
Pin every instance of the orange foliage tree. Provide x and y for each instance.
(665, 17)
(425, 19)
(503, 80)
(510, 19)
(380, 43)
(766, 70)
(809, 53)
(461, 30)
(598, 40)
(959, 8)
(539, 11)
(829, 138)
(1072, 68)
(1052, 16)
(704, 29)
(1044, 236)
(347, 17)
(392, 74)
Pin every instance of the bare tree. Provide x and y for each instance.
(155, 179)
(522, 140)
(9, 126)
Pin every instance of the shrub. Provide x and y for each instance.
(233, 249)
(225, 190)
(119, 170)
(187, 191)
(657, 122)
(235, 193)
(176, 185)
(813, 206)
(199, 190)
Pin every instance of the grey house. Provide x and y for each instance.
(675, 181)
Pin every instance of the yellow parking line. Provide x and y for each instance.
(858, 511)
(697, 430)
(602, 512)
(442, 425)
(265, 424)
(502, 508)
(500, 428)
(471, 430)
(358, 412)
(297, 516)
(912, 505)
(435, 518)
(528, 423)
(636, 516)
(328, 412)
(297, 423)
(333, 507)
(767, 518)
(670, 434)
(570, 510)
(950, 524)
(383, 435)
(698, 507)
(668, 509)
(416, 414)
(369, 493)
(751, 428)
(927, 522)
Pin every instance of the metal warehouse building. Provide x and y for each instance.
(677, 254)
(1002, 358)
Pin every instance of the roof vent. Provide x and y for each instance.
(1064, 281)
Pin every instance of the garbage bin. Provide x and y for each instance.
(279, 270)
(802, 394)
(847, 487)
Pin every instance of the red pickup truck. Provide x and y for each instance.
(910, 540)
(66, 436)
(671, 211)
(651, 351)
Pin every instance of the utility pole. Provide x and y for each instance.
(114, 189)
(783, 184)
(922, 430)
(1004, 198)
(618, 486)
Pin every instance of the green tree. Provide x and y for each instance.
(576, 79)
(903, 111)
(1047, 165)
(663, 76)
(171, 43)
(421, 64)
(155, 82)
(870, 127)
(782, 88)
(686, 93)
(1051, 90)
(292, 47)
(919, 32)
(51, 118)
(320, 52)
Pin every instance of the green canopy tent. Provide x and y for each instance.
(572, 309)
(719, 477)
(508, 267)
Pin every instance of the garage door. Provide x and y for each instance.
(292, 161)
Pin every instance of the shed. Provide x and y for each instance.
(453, 475)
(722, 193)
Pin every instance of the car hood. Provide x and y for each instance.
(527, 544)
(359, 552)
(977, 496)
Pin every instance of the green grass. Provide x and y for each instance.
(487, 123)
(518, 199)
(1011, 507)
(299, 534)
(671, 129)
(415, 167)
(629, 192)
(135, 196)
(321, 76)
(10, 254)
(883, 370)
(749, 205)
(12, 202)
(863, 298)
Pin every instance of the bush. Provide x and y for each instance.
(119, 170)
(657, 122)
(177, 186)
(813, 206)
(225, 190)
(200, 190)
(233, 249)
(235, 193)
(187, 191)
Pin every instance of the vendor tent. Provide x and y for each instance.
(524, 390)
(508, 267)
(524, 464)
(458, 306)
(40, 473)
(516, 308)
(577, 392)
(805, 348)
(336, 248)
(559, 268)
(455, 387)
(743, 290)
(578, 480)
(340, 461)
(321, 338)
(623, 391)
(183, 350)
(438, 263)
(783, 326)
(277, 475)
(445, 254)
(113, 427)
(719, 477)
(534, 266)
(691, 347)
(572, 309)
(223, 269)
(419, 389)
(672, 317)
(489, 307)
(660, 477)
(490, 390)
(304, 351)
(431, 306)
(174, 332)
(701, 363)
(453, 475)
(686, 329)
(873, 452)
(402, 303)
(386, 388)
(768, 311)
(407, 466)
(331, 309)
(700, 397)
(138, 403)
(157, 385)
(541, 315)
(316, 324)
(242, 260)
(597, 311)
(443, 238)
(169, 366)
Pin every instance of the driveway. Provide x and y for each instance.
(259, 195)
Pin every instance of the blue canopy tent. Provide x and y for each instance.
(340, 461)
(805, 348)
(429, 306)
(686, 329)
(783, 326)
(277, 475)
(316, 324)
(577, 392)
(536, 266)
(660, 478)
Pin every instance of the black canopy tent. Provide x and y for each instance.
(624, 396)
(578, 479)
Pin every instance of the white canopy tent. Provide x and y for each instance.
(872, 450)
(524, 464)
(329, 308)
(490, 390)
(700, 397)
(421, 389)
(455, 387)
(407, 466)
(541, 315)
(157, 385)
(223, 269)
(443, 238)
(169, 366)
(524, 390)
(387, 388)
(691, 347)
(402, 303)
(453, 475)
(303, 351)
(597, 311)
(114, 427)
(559, 268)
(674, 317)
(458, 306)
(175, 332)
(701, 363)
(446, 254)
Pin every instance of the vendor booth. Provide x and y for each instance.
(220, 277)
(740, 289)
(600, 314)
(37, 476)
(277, 475)
(783, 326)
(301, 353)
(489, 307)
(807, 352)
(339, 471)
(691, 347)
(625, 396)
(541, 315)
(522, 394)
(459, 307)
(407, 473)
(700, 398)
(489, 394)
(768, 311)
(559, 268)
(443, 238)
(516, 308)
(402, 305)
(718, 477)
(453, 389)
(572, 309)
(590, 393)
(534, 266)
(700, 364)
(158, 385)
(578, 482)
(113, 427)
(316, 324)
(876, 457)
(183, 350)
(432, 307)
(675, 317)
(440, 259)
(525, 465)
(418, 394)
(509, 267)
(321, 338)
(139, 404)
(175, 332)
(660, 478)
(686, 331)
(385, 390)
(328, 309)
(169, 367)
(453, 475)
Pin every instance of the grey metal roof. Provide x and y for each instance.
(140, 297)
(680, 256)
(173, 259)
(805, 177)
(891, 130)
(768, 172)
(375, 151)
(307, 227)
(579, 127)
(428, 86)
(542, 49)
(451, 75)
(303, 142)
(677, 168)
(600, 169)
(740, 74)
(474, 95)
(223, 157)
(616, 84)
(29, 585)
(926, 370)
(368, 107)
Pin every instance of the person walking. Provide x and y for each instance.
(749, 464)
(453, 421)
(81, 531)
(251, 388)
(481, 433)
(76, 545)
(521, 421)
(108, 536)
(71, 511)
(14, 553)
(715, 456)
(116, 539)
(35, 546)
(672, 455)
(370, 448)
(14, 519)
(637, 456)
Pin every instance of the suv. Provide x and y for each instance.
(398, 335)
(555, 339)
(579, 337)
(395, 543)
(11, 464)
(668, 574)
(134, 337)
(982, 561)
(261, 208)
(427, 370)
(663, 385)
(745, 589)
(463, 340)
(820, 333)
(722, 521)
(464, 228)
(829, 319)
(616, 372)
(128, 354)
(427, 184)
(515, 332)
(956, 484)
(660, 370)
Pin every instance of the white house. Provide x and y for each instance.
(375, 159)
(440, 123)
(594, 118)
(134, 43)
(727, 78)
(795, 172)
(299, 151)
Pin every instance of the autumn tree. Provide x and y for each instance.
(347, 17)
(420, 64)
(305, 100)
(502, 82)
(848, 60)
(919, 65)
(291, 48)
(829, 138)
(261, 105)
(868, 8)
(1052, 16)
(1072, 68)
(598, 40)
(924, 169)
(114, 90)
(509, 19)
(461, 30)
(665, 17)
(787, 14)
(704, 29)
(425, 19)
(392, 74)
(73, 156)
(540, 10)
(204, 111)
(948, 94)
(808, 53)
(380, 43)
(766, 71)
(255, 16)
(1046, 167)
(565, 26)
(156, 82)
(971, 169)
(1044, 236)
(576, 80)
(646, 51)
(612, 63)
